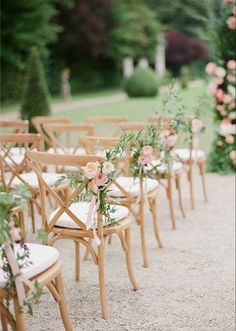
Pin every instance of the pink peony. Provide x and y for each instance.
(219, 94)
(171, 141)
(232, 156)
(231, 22)
(227, 99)
(212, 87)
(147, 150)
(91, 169)
(231, 78)
(211, 68)
(220, 72)
(229, 139)
(231, 64)
(100, 180)
(145, 159)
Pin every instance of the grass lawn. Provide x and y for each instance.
(138, 109)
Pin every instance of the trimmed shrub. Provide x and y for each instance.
(142, 83)
(36, 95)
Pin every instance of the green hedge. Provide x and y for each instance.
(142, 83)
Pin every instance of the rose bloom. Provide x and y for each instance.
(219, 143)
(100, 180)
(91, 169)
(231, 22)
(226, 129)
(231, 78)
(228, 1)
(232, 155)
(211, 68)
(229, 139)
(220, 72)
(107, 167)
(234, 11)
(171, 141)
(196, 125)
(212, 87)
(219, 94)
(231, 105)
(145, 159)
(165, 133)
(227, 98)
(231, 64)
(147, 150)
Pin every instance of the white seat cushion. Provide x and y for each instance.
(184, 154)
(80, 209)
(31, 179)
(67, 150)
(132, 185)
(163, 168)
(15, 151)
(42, 258)
(14, 159)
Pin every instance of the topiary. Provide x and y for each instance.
(36, 95)
(142, 83)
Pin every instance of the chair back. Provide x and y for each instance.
(106, 124)
(97, 144)
(39, 121)
(38, 161)
(13, 148)
(14, 126)
(64, 136)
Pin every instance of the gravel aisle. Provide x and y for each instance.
(189, 285)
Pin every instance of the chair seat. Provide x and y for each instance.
(67, 150)
(14, 159)
(132, 185)
(184, 154)
(42, 258)
(163, 168)
(80, 209)
(31, 179)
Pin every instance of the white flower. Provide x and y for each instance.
(91, 169)
(107, 167)
(197, 125)
(220, 72)
(226, 129)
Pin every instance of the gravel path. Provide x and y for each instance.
(189, 285)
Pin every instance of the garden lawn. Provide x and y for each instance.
(138, 110)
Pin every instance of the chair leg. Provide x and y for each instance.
(201, 166)
(86, 254)
(190, 179)
(110, 239)
(153, 208)
(101, 276)
(142, 233)
(62, 304)
(178, 186)
(77, 261)
(4, 322)
(31, 206)
(129, 260)
(19, 315)
(170, 200)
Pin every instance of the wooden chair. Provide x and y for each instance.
(39, 121)
(14, 168)
(188, 156)
(46, 270)
(68, 221)
(14, 126)
(64, 136)
(128, 190)
(109, 123)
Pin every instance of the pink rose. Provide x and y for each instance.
(231, 64)
(212, 87)
(196, 125)
(220, 72)
(171, 141)
(232, 156)
(231, 22)
(234, 11)
(165, 133)
(145, 159)
(228, 1)
(227, 99)
(147, 150)
(229, 139)
(221, 110)
(100, 180)
(91, 169)
(231, 78)
(219, 94)
(211, 68)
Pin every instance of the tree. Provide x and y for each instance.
(36, 95)
(182, 49)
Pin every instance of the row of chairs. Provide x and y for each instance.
(41, 170)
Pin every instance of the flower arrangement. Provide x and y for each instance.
(222, 87)
(12, 260)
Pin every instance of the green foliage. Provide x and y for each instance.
(142, 83)
(184, 76)
(218, 160)
(134, 30)
(36, 95)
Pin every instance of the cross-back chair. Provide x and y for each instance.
(15, 170)
(130, 191)
(109, 124)
(14, 126)
(69, 220)
(188, 156)
(39, 121)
